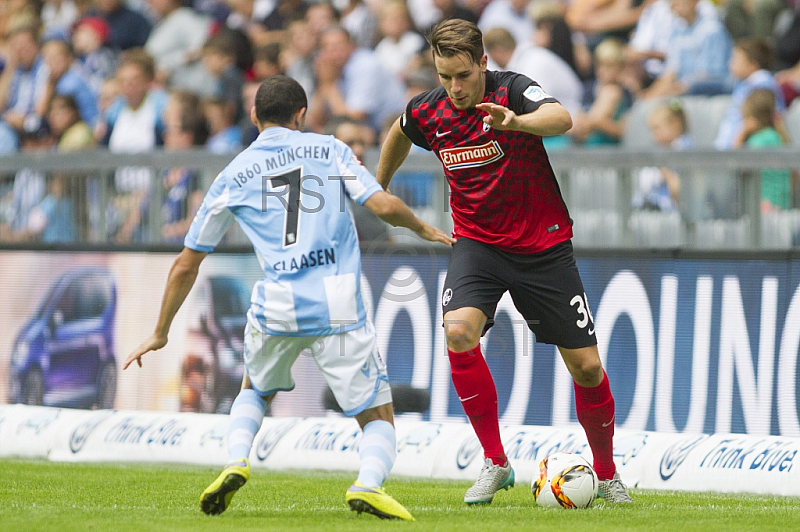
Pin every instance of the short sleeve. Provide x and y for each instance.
(410, 126)
(358, 183)
(213, 218)
(526, 96)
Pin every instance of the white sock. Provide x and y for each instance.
(247, 413)
(378, 451)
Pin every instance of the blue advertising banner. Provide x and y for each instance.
(689, 345)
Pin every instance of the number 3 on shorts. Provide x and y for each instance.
(583, 311)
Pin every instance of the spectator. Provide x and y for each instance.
(127, 28)
(224, 135)
(600, 19)
(24, 80)
(321, 16)
(360, 22)
(97, 60)
(109, 92)
(66, 79)
(647, 48)
(419, 80)
(451, 9)
(267, 62)
(698, 51)
(17, 13)
(246, 126)
(297, 57)
(64, 119)
(28, 190)
(263, 20)
(133, 124)
(760, 130)
(607, 101)
(185, 128)
(216, 75)
(658, 189)
(399, 44)
(352, 82)
(52, 221)
(553, 33)
(510, 15)
(787, 46)
(752, 18)
(216, 9)
(540, 64)
(426, 13)
(58, 16)
(9, 141)
(359, 137)
(177, 37)
(242, 45)
(133, 119)
(750, 64)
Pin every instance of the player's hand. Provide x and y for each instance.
(154, 343)
(434, 234)
(499, 117)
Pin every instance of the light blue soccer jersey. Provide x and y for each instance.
(288, 191)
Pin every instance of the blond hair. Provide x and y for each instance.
(610, 51)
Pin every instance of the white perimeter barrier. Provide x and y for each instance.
(731, 463)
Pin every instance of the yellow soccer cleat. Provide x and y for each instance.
(375, 501)
(218, 495)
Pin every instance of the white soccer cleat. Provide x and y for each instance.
(492, 479)
(613, 490)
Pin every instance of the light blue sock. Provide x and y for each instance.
(247, 413)
(378, 450)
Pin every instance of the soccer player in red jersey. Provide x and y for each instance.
(513, 234)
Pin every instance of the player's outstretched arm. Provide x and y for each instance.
(180, 281)
(393, 152)
(392, 210)
(549, 119)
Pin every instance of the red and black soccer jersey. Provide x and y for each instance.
(503, 189)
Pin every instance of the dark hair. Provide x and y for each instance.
(68, 100)
(760, 104)
(278, 99)
(191, 117)
(194, 121)
(334, 122)
(222, 43)
(452, 37)
(757, 51)
(269, 53)
(560, 38)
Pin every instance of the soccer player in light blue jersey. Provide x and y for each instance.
(287, 192)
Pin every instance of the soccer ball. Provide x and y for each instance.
(565, 480)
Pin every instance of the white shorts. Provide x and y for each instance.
(349, 362)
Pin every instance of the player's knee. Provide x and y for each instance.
(587, 372)
(461, 336)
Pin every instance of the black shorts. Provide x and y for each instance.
(546, 289)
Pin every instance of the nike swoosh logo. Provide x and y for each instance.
(442, 133)
(610, 422)
(591, 331)
(468, 398)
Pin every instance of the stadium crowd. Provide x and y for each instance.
(139, 75)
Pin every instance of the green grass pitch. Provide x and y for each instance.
(38, 495)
